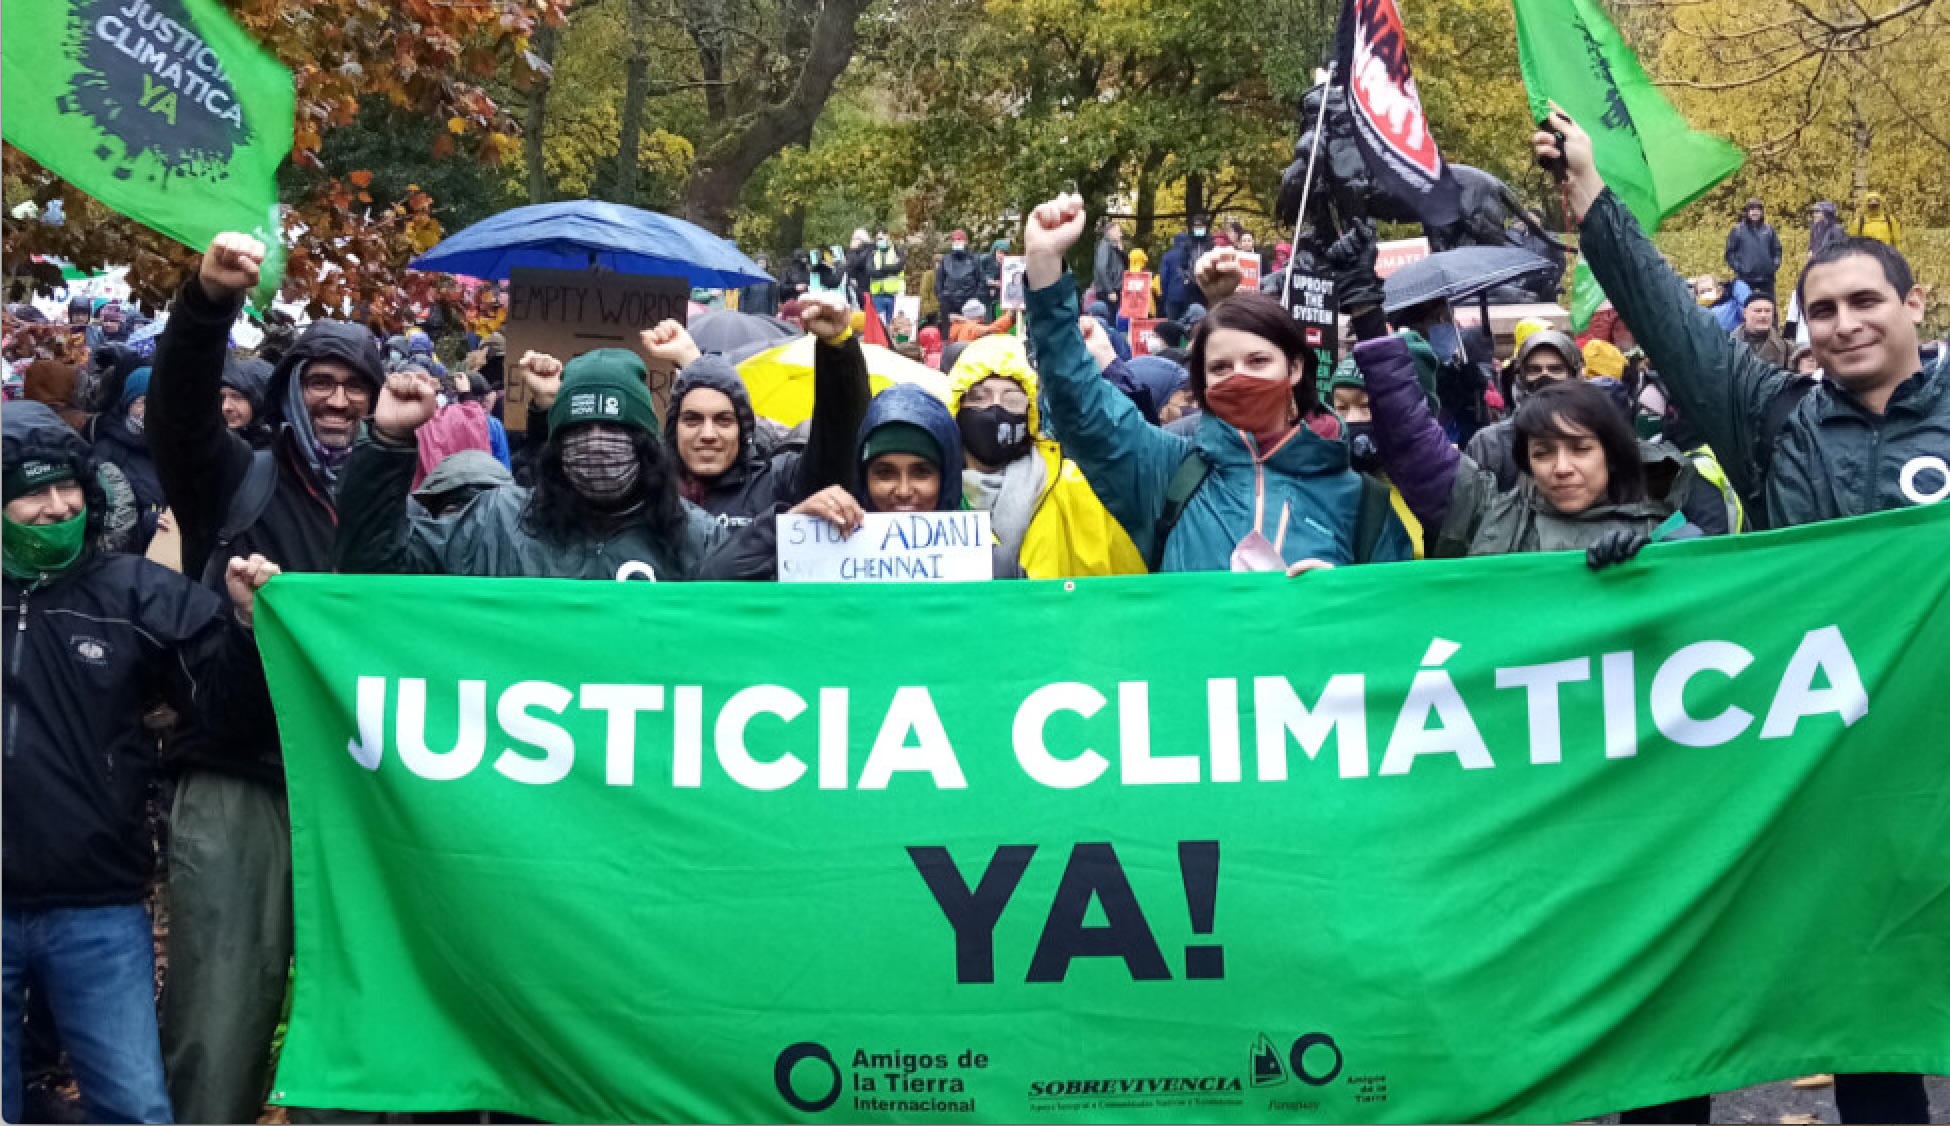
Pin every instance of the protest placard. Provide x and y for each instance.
(889, 547)
(1248, 272)
(1012, 287)
(1310, 298)
(565, 313)
(1134, 302)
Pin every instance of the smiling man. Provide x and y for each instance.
(1875, 435)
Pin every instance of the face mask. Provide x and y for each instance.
(994, 435)
(1362, 449)
(34, 551)
(1444, 339)
(132, 424)
(1198, 232)
(958, 247)
(884, 244)
(601, 465)
(1260, 407)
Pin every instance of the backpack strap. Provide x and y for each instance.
(1185, 481)
(247, 505)
(1370, 518)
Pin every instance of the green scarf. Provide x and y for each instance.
(35, 551)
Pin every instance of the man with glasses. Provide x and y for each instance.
(230, 846)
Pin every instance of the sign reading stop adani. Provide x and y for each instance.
(888, 547)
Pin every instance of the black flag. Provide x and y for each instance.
(1371, 58)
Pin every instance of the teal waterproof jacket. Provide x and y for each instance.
(1130, 464)
(1829, 456)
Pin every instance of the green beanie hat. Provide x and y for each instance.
(35, 474)
(607, 385)
(902, 438)
(1425, 363)
(1346, 374)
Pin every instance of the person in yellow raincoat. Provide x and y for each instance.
(1047, 520)
(1141, 262)
(1874, 221)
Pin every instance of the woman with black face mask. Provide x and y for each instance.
(604, 504)
(1048, 522)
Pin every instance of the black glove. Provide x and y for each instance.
(1352, 259)
(1615, 546)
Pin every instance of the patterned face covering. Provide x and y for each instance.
(601, 463)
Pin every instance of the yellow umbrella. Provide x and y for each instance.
(781, 379)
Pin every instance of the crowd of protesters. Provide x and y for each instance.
(149, 494)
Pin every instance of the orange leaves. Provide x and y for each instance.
(362, 179)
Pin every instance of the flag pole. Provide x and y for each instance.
(1307, 184)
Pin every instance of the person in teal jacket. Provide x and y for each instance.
(1277, 489)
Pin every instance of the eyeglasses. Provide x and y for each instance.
(321, 386)
(1012, 398)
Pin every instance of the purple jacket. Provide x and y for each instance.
(1417, 455)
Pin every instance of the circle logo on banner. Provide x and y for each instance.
(636, 569)
(805, 1051)
(1297, 1059)
(1918, 466)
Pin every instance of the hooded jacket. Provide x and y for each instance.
(128, 451)
(1874, 221)
(756, 485)
(1071, 534)
(1831, 456)
(1469, 511)
(1175, 275)
(203, 466)
(87, 652)
(1130, 463)
(249, 378)
(1753, 251)
(1825, 230)
(909, 403)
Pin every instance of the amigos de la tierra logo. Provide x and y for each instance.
(149, 81)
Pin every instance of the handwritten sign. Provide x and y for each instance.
(565, 313)
(1134, 302)
(1140, 329)
(890, 547)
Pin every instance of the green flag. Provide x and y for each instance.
(1586, 295)
(1572, 55)
(164, 110)
(1370, 845)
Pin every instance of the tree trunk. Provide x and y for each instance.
(1862, 138)
(718, 179)
(791, 235)
(536, 121)
(1147, 199)
(1194, 195)
(636, 83)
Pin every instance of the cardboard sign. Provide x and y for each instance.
(1012, 283)
(890, 547)
(1140, 326)
(565, 313)
(1310, 298)
(1134, 301)
(1248, 272)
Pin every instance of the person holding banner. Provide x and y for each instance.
(1266, 483)
(230, 840)
(96, 634)
(1047, 522)
(713, 429)
(605, 502)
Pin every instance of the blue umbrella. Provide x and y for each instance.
(579, 234)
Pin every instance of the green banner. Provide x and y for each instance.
(1495, 839)
(164, 110)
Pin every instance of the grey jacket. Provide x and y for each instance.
(1831, 456)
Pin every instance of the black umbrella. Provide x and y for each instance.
(738, 335)
(1457, 274)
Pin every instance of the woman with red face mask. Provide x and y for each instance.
(1265, 483)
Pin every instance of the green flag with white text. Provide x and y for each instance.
(164, 110)
(1484, 840)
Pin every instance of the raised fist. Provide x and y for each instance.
(1049, 233)
(670, 344)
(1097, 341)
(825, 316)
(243, 578)
(230, 266)
(1218, 274)
(407, 401)
(543, 375)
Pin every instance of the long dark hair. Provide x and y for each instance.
(1266, 318)
(562, 516)
(1549, 414)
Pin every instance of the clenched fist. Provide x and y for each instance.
(243, 578)
(230, 267)
(1051, 230)
(1218, 274)
(1097, 341)
(825, 316)
(407, 401)
(543, 375)
(670, 344)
